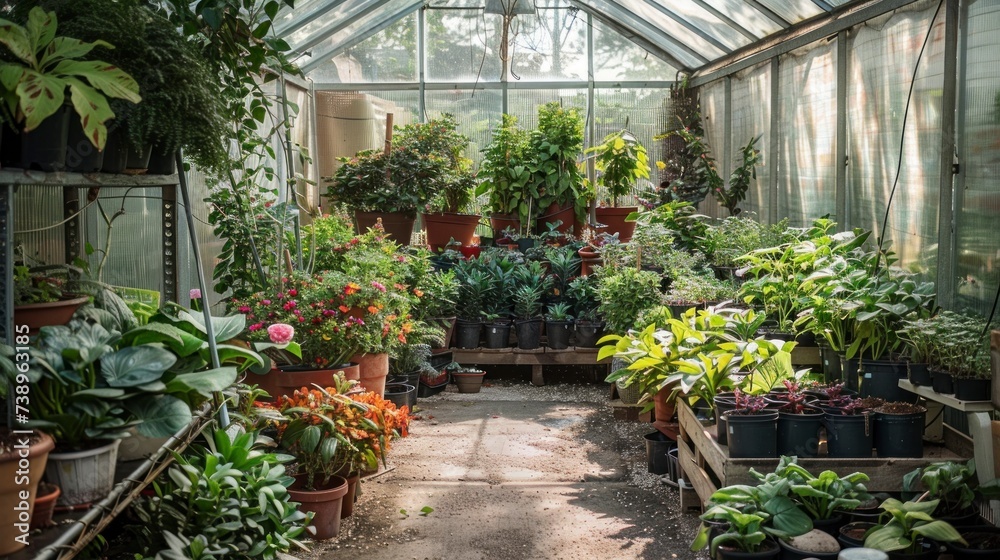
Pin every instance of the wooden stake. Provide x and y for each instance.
(388, 141)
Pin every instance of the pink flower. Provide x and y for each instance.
(280, 333)
(378, 286)
(195, 293)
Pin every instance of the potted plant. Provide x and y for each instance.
(445, 218)
(392, 185)
(468, 379)
(438, 301)
(729, 239)
(752, 427)
(849, 424)
(957, 356)
(474, 287)
(22, 463)
(624, 294)
(35, 88)
(952, 484)
(531, 286)
(191, 512)
(918, 336)
(558, 188)
(582, 293)
(743, 537)
(621, 161)
(505, 173)
(824, 497)
(798, 422)
(908, 530)
(181, 102)
(558, 323)
(39, 299)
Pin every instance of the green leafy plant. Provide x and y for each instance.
(474, 287)
(621, 160)
(739, 181)
(555, 147)
(48, 65)
(904, 526)
(559, 312)
(951, 483)
(624, 294)
(505, 171)
(583, 294)
(36, 287)
(744, 531)
(772, 496)
(825, 495)
(229, 499)
(949, 341)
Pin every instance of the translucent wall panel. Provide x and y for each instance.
(644, 110)
(713, 114)
(978, 203)
(462, 45)
(751, 112)
(36, 240)
(552, 45)
(524, 103)
(617, 58)
(133, 255)
(387, 56)
(807, 178)
(477, 112)
(883, 54)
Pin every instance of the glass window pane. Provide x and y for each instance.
(807, 177)
(675, 30)
(882, 57)
(551, 45)
(617, 58)
(751, 100)
(477, 113)
(524, 103)
(387, 56)
(706, 21)
(330, 19)
(979, 202)
(462, 46)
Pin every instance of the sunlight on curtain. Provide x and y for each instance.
(751, 99)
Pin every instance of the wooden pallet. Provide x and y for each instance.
(706, 465)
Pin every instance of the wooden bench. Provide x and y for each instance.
(537, 359)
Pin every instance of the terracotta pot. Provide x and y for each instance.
(374, 369)
(16, 512)
(589, 258)
(347, 504)
(500, 222)
(45, 505)
(38, 315)
(442, 227)
(470, 382)
(614, 218)
(556, 213)
(326, 505)
(397, 225)
(663, 412)
(284, 381)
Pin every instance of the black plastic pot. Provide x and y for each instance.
(983, 543)
(467, 333)
(831, 525)
(852, 535)
(930, 551)
(10, 147)
(496, 334)
(657, 448)
(558, 334)
(525, 243)
(81, 154)
(44, 148)
(880, 378)
(942, 382)
(848, 436)
(723, 403)
(588, 333)
(798, 434)
(791, 552)
(831, 363)
(138, 157)
(967, 389)
(769, 550)
(919, 374)
(529, 333)
(849, 372)
(424, 390)
(401, 394)
(115, 150)
(753, 435)
(161, 163)
(899, 435)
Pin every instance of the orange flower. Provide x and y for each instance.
(344, 309)
(418, 293)
(372, 309)
(351, 288)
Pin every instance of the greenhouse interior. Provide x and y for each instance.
(499, 279)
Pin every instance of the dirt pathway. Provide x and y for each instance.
(517, 472)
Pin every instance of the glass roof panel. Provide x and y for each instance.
(389, 55)
(701, 18)
(685, 37)
(745, 15)
(462, 46)
(552, 45)
(313, 33)
(618, 58)
(793, 11)
(352, 30)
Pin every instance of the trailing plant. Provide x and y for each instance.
(229, 499)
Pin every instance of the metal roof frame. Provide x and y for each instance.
(336, 49)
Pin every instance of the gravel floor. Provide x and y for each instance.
(512, 472)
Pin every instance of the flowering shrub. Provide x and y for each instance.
(333, 429)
